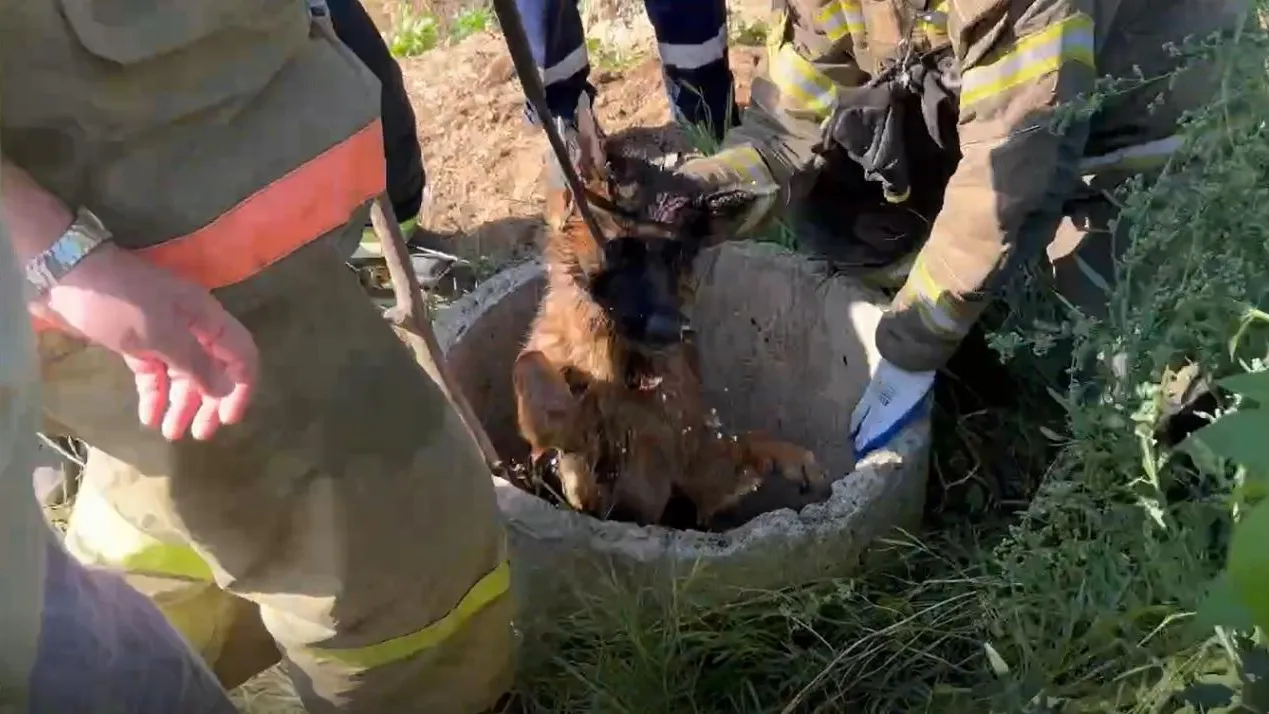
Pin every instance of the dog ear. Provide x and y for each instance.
(593, 143)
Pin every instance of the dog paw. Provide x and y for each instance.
(772, 475)
(778, 459)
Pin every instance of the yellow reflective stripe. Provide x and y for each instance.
(368, 234)
(810, 89)
(1138, 157)
(169, 561)
(100, 535)
(489, 588)
(929, 304)
(840, 18)
(1070, 40)
(747, 162)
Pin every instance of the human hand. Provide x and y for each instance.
(195, 365)
(736, 189)
(893, 399)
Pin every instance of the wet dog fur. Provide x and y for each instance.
(608, 385)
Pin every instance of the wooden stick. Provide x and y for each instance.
(410, 314)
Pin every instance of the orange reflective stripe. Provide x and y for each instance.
(313, 199)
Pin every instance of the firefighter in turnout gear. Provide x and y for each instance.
(926, 144)
(345, 522)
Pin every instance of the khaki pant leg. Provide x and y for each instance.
(223, 628)
(351, 506)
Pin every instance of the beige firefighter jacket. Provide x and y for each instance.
(253, 134)
(1020, 62)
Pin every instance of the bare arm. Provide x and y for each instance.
(34, 218)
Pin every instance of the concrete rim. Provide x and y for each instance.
(868, 484)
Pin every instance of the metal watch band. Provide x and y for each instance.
(84, 236)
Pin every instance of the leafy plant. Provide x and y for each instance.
(413, 33)
(752, 34)
(470, 21)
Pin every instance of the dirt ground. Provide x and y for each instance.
(484, 161)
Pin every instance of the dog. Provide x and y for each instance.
(608, 385)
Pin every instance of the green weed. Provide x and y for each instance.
(471, 21)
(610, 59)
(412, 33)
(751, 34)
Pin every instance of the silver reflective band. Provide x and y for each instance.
(84, 236)
(695, 56)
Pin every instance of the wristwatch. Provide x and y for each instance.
(84, 236)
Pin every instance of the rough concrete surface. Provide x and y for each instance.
(785, 348)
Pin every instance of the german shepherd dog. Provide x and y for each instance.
(608, 385)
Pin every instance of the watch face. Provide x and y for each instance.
(73, 246)
(84, 235)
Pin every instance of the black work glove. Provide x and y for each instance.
(867, 124)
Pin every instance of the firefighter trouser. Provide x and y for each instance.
(691, 38)
(349, 515)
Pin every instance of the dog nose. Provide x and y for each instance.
(664, 328)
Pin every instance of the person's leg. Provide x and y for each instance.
(406, 176)
(558, 43)
(350, 505)
(105, 648)
(692, 39)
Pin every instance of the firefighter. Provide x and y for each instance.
(848, 130)
(436, 271)
(344, 520)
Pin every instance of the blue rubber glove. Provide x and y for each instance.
(893, 399)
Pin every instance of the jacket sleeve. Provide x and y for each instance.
(1020, 62)
(810, 54)
(23, 548)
